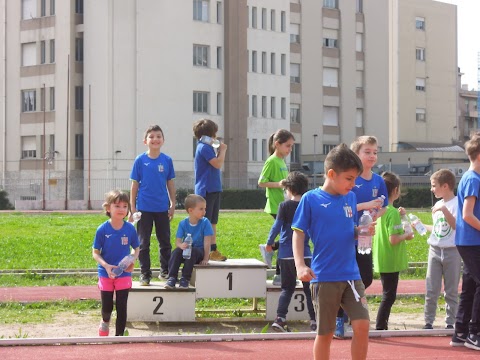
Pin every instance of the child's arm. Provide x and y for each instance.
(217, 162)
(397, 238)
(172, 194)
(468, 215)
(99, 259)
(135, 253)
(207, 240)
(133, 199)
(448, 215)
(274, 231)
(304, 273)
(180, 244)
(272, 184)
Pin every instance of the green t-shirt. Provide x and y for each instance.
(274, 170)
(388, 258)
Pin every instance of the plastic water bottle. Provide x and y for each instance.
(187, 253)
(407, 227)
(417, 224)
(210, 141)
(364, 237)
(123, 264)
(136, 216)
(374, 211)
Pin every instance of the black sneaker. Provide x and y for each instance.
(183, 284)
(144, 280)
(163, 275)
(449, 327)
(458, 339)
(428, 327)
(473, 342)
(170, 284)
(280, 325)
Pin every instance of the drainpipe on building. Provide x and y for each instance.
(4, 89)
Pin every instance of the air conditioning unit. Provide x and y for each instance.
(453, 170)
(460, 171)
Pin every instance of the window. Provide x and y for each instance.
(200, 102)
(331, 4)
(294, 33)
(359, 79)
(420, 23)
(254, 149)
(295, 113)
(359, 6)
(330, 77)
(219, 57)
(264, 106)
(420, 54)
(283, 21)
(52, 144)
(29, 147)
(327, 148)
(283, 108)
(283, 64)
(330, 43)
(79, 146)
(273, 105)
(295, 155)
(330, 115)
(359, 118)
(200, 10)
(29, 54)
(264, 19)
(219, 12)
(272, 20)
(43, 7)
(29, 9)
(264, 62)
(52, 7)
(43, 55)
(254, 17)
(43, 103)
(254, 61)
(79, 49)
(219, 103)
(420, 114)
(420, 84)
(200, 55)
(52, 98)
(78, 97)
(359, 42)
(264, 149)
(254, 106)
(29, 100)
(294, 73)
(272, 63)
(52, 50)
(78, 6)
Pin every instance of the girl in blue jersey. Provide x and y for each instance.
(113, 241)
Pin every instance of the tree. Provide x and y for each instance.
(5, 204)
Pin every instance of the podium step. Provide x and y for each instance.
(297, 310)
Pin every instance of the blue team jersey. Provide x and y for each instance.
(329, 219)
(469, 185)
(368, 190)
(152, 176)
(207, 177)
(114, 245)
(199, 231)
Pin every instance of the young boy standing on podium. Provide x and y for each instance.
(328, 215)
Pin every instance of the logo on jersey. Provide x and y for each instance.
(325, 205)
(348, 211)
(374, 192)
(146, 164)
(124, 240)
(441, 228)
(160, 168)
(358, 186)
(108, 235)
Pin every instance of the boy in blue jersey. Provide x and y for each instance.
(208, 180)
(153, 193)
(201, 230)
(467, 240)
(328, 214)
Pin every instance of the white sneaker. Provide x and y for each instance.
(277, 280)
(266, 256)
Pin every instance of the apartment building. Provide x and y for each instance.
(468, 114)
(83, 79)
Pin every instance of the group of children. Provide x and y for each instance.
(335, 276)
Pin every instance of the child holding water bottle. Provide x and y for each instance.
(201, 231)
(389, 249)
(113, 241)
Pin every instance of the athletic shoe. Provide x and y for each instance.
(280, 325)
(277, 280)
(144, 280)
(458, 339)
(183, 284)
(217, 256)
(473, 342)
(428, 327)
(163, 275)
(449, 327)
(170, 284)
(313, 325)
(266, 256)
(104, 328)
(339, 328)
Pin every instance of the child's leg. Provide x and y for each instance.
(365, 265)
(433, 283)
(211, 213)
(144, 231)
(121, 307)
(321, 346)
(176, 259)
(308, 293)
(289, 281)
(452, 265)
(107, 305)
(359, 346)
(162, 230)
(196, 258)
(389, 285)
(471, 266)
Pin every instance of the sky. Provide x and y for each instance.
(468, 12)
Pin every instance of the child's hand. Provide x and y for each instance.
(304, 273)
(204, 262)
(222, 147)
(410, 236)
(402, 211)
(375, 204)
(268, 248)
(171, 212)
(371, 228)
(281, 183)
(436, 208)
(183, 246)
(109, 269)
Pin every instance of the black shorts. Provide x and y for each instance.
(213, 206)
